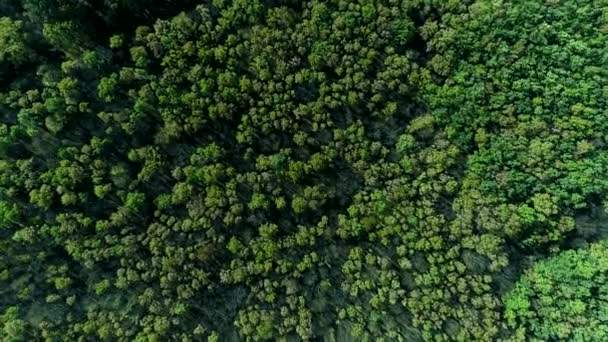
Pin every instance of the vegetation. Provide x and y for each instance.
(563, 298)
(248, 170)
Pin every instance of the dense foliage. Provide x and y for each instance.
(563, 298)
(298, 170)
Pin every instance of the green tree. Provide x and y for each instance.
(14, 42)
(562, 297)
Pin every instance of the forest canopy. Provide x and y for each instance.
(287, 170)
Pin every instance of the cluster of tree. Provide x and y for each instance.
(562, 298)
(294, 170)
